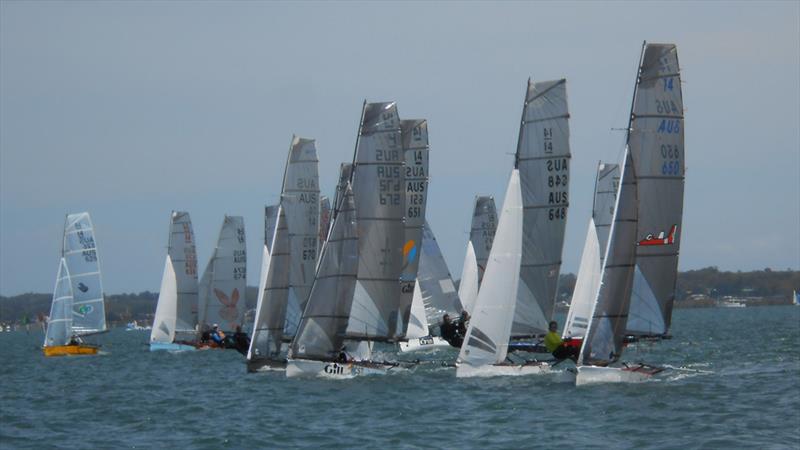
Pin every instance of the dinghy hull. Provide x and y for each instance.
(70, 350)
(501, 370)
(337, 371)
(173, 347)
(423, 344)
(596, 375)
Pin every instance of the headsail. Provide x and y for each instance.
(59, 326)
(482, 230)
(167, 307)
(271, 309)
(321, 331)
(542, 158)
(222, 287)
(657, 146)
(80, 255)
(489, 329)
(378, 311)
(468, 286)
(301, 187)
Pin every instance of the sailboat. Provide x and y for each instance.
(605, 194)
(352, 307)
(646, 199)
(434, 296)
(222, 286)
(795, 298)
(174, 325)
(481, 235)
(78, 307)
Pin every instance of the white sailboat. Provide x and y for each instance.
(78, 307)
(222, 286)
(175, 323)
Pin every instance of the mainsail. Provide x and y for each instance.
(176, 311)
(436, 284)
(605, 194)
(270, 222)
(489, 329)
(482, 230)
(378, 310)
(543, 161)
(80, 254)
(415, 150)
(322, 328)
(222, 287)
(324, 220)
(301, 187)
(271, 308)
(59, 326)
(657, 148)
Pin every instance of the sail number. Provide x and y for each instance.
(666, 106)
(671, 164)
(557, 182)
(548, 140)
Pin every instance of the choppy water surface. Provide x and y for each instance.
(736, 384)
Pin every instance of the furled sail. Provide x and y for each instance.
(59, 326)
(657, 146)
(301, 186)
(80, 255)
(482, 229)
(271, 308)
(222, 287)
(322, 327)
(542, 158)
(378, 310)
(606, 332)
(489, 329)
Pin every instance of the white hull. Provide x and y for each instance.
(423, 344)
(337, 371)
(467, 371)
(595, 375)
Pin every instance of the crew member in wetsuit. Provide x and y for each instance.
(449, 332)
(240, 341)
(217, 335)
(463, 321)
(556, 346)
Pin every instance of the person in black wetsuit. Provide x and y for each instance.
(463, 322)
(240, 341)
(449, 332)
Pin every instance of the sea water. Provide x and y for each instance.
(734, 383)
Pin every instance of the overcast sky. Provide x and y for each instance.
(129, 110)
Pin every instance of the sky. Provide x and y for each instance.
(130, 110)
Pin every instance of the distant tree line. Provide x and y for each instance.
(709, 282)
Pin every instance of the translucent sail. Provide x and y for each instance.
(415, 150)
(271, 309)
(543, 161)
(270, 222)
(59, 326)
(489, 329)
(657, 147)
(167, 307)
(605, 196)
(183, 256)
(481, 233)
(301, 188)
(80, 254)
(417, 322)
(606, 332)
(324, 220)
(438, 292)
(378, 311)
(345, 173)
(222, 288)
(321, 331)
(468, 286)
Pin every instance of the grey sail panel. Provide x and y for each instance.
(482, 229)
(271, 313)
(606, 332)
(183, 254)
(415, 150)
(378, 310)
(435, 282)
(324, 322)
(657, 146)
(345, 174)
(83, 263)
(605, 196)
(59, 325)
(300, 203)
(324, 220)
(543, 155)
(222, 289)
(270, 223)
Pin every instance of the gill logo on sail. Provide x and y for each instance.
(229, 311)
(650, 239)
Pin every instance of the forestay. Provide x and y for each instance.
(59, 326)
(271, 308)
(482, 230)
(656, 143)
(81, 257)
(321, 331)
(489, 329)
(378, 310)
(222, 287)
(542, 158)
(301, 185)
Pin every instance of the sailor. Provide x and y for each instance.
(463, 321)
(556, 346)
(217, 335)
(449, 332)
(240, 340)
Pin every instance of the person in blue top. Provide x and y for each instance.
(217, 335)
